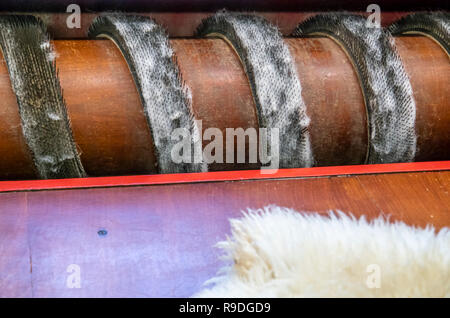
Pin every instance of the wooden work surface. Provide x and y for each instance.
(160, 238)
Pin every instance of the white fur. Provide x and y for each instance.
(279, 252)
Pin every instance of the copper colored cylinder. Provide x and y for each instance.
(221, 95)
(111, 131)
(108, 122)
(428, 67)
(334, 102)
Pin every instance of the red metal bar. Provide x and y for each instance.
(99, 182)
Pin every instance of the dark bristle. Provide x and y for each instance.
(392, 132)
(434, 24)
(277, 90)
(29, 56)
(151, 43)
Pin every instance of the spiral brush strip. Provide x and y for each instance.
(166, 100)
(30, 61)
(273, 79)
(433, 24)
(386, 87)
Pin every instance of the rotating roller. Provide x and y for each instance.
(321, 93)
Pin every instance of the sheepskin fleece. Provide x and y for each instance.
(279, 252)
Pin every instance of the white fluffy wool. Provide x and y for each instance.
(278, 252)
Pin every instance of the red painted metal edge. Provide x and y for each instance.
(33, 185)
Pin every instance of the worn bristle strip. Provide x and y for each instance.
(30, 61)
(273, 80)
(386, 87)
(165, 98)
(433, 24)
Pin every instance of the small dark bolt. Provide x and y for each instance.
(102, 232)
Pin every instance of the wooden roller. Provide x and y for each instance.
(113, 138)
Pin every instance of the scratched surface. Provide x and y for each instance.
(159, 239)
